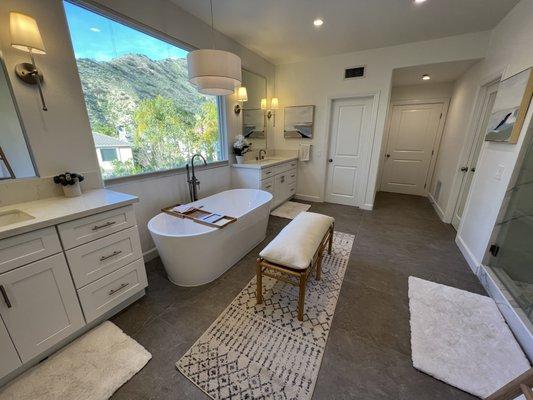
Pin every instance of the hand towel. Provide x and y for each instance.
(304, 154)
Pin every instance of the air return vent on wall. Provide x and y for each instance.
(354, 72)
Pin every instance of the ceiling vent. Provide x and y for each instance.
(354, 72)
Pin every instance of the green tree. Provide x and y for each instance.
(164, 135)
(206, 129)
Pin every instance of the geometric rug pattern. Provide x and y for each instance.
(262, 351)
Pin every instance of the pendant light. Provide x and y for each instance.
(214, 72)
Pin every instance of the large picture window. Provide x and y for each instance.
(145, 116)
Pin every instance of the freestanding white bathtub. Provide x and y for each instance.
(195, 254)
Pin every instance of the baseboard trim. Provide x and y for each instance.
(150, 254)
(467, 254)
(437, 208)
(305, 197)
(368, 207)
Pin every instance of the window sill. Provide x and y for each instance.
(159, 174)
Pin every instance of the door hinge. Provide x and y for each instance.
(425, 184)
(432, 152)
(494, 249)
(440, 116)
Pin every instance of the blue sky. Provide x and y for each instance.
(103, 39)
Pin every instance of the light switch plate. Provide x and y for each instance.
(499, 172)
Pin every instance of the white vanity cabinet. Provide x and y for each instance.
(276, 177)
(57, 280)
(39, 305)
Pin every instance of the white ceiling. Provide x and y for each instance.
(282, 30)
(439, 73)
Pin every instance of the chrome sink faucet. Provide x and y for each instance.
(194, 184)
(262, 151)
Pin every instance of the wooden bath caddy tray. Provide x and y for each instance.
(201, 216)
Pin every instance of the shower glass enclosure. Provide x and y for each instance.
(511, 254)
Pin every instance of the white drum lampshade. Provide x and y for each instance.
(214, 72)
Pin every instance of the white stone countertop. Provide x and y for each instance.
(56, 210)
(267, 162)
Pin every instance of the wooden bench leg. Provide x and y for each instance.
(330, 244)
(301, 297)
(319, 266)
(259, 279)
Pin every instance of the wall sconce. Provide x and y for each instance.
(25, 36)
(274, 105)
(242, 96)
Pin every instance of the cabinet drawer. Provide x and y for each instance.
(93, 260)
(28, 247)
(292, 190)
(291, 176)
(83, 230)
(102, 295)
(268, 185)
(267, 172)
(293, 164)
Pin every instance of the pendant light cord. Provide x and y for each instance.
(212, 25)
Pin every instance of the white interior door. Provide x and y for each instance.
(469, 169)
(350, 138)
(413, 131)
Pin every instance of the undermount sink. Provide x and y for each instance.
(13, 216)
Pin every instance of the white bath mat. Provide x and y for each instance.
(290, 209)
(462, 339)
(92, 367)
(262, 351)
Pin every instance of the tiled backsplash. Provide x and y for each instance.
(23, 190)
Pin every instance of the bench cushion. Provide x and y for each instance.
(296, 244)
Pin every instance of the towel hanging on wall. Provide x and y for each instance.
(304, 153)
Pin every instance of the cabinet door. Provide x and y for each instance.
(281, 189)
(9, 360)
(39, 305)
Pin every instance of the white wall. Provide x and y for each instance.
(314, 81)
(509, 51)
(454, 140)
(423, 91)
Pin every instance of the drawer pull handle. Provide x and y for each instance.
(4, 295)
(115, 253)
(122, 286)
(292, 176)
(108, 223)
(268, 187)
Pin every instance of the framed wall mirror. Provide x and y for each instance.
(253, 118)
(15, 156)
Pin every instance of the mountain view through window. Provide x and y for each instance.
(145, 116)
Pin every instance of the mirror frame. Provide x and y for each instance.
(243, 108)
(3, 68)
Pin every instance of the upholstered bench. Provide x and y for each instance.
(295, 252)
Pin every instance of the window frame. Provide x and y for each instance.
(221, 101)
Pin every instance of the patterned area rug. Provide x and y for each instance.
(262, 351)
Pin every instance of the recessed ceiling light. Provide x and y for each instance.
(95, 29)
(426, 77)
(420, 1)
(318, 22)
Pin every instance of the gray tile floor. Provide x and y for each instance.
(368, 351)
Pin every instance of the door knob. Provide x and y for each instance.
(387, 155)
(464, 169)
(330, 160)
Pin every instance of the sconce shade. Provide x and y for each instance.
(274, 103)
(263, 104)
(214, 72)
(25, 33)
(242, 94)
